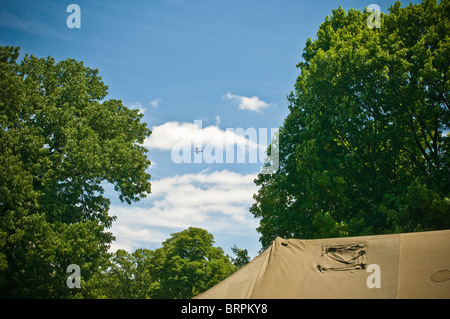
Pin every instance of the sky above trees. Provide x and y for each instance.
(223, 64)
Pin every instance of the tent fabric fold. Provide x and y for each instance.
(395, 266)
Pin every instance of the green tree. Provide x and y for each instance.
(60, 140)
(365, 148)
(189, 264)
(241, 258)
(127, 276)
(186, 265)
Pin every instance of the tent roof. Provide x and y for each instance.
(408, 265)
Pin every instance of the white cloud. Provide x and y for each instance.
(218, 120)
(156, 102)
(247, 103)
(217, 201)
(176, 134)
(131, 238)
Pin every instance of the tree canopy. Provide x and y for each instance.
(60, 140)
(187, 264)
(365, 147)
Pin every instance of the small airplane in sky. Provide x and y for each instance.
(197, 151)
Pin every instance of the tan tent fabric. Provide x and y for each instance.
(409, 265)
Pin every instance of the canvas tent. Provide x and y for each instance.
(408, 265)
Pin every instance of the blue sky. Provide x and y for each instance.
(228, 64)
